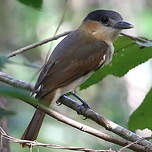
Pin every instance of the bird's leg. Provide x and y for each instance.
(81, 108)
(84, 105)
(58, 102)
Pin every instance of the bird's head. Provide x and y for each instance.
(105, 24)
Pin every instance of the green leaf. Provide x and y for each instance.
(5, 113)
(142, 117)
(127, 56)
(37, 4)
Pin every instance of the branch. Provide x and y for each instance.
(134, 38)
(95, 117)
(58, 26)
(14, 82)
(107, 124)
(34, 45)
(84, 128)
(53, 146)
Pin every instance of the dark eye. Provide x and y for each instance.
(104, 19)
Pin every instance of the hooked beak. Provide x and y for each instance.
(123, 25)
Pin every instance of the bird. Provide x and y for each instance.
(75, 59)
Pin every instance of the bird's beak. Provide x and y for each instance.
(123, 25)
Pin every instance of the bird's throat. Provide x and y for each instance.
(100, 32)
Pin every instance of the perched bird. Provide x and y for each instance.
(74, 59)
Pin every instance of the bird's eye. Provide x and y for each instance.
(104, 19)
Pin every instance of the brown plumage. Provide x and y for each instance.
(67, 61)
(34, 126)
(72, 62)
(62, 68)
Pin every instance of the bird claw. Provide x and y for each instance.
(83, 108)
(58, 103)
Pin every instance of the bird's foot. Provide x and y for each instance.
(83, 108)
(58, 103)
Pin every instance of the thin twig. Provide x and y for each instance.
(134, 38)
(126, 134)
(53, 146)
(58, 27)
(127, 146)
(62, 17)
(31, 147)
(14, 82)
(34, 45)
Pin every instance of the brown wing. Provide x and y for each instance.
(74, 56)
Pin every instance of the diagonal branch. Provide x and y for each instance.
(107, 124)
(126, 134)
(14, 82)
(34, 45)
(58, 27)
(82, 127)
(134, 38)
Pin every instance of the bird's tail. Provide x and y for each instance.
(35, 124)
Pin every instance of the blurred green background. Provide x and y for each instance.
(114, 97)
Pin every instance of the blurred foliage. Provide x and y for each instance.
(5, 113)
(127, 56)
(3, 61)
(32, 3)
(144, 18)
(141, 117)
